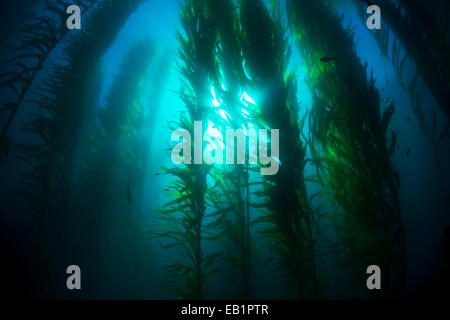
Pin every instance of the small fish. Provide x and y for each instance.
(408, 119)
(328, 59)
(166, 189)
(130, 200)
(408, 152)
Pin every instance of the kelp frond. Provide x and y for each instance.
(182, 220)
(288, 221)
(61, 106)
(392, 48)
(39, 35)
(349, 141)
(425, 39)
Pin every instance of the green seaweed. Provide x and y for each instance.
(350, 144)
(222, 56)
(231, 196)
(288, 221)
(182, 220)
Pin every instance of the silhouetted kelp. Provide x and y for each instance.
(425, 38)
(391, 47)
(38, 37)
(348, 141)
(114, 167)
(60, 100)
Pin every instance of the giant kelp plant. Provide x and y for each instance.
(349, 141)
(117, 136)
(183, 219)
(230, 194)
(289, 215)
(424, 35)
(59, 122)
(233, 54)
(397, 48)
(39, 36)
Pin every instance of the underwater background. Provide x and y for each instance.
(86, 176)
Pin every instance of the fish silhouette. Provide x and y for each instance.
(408, 152)
(327, 59)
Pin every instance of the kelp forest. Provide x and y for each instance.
(225, 149)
